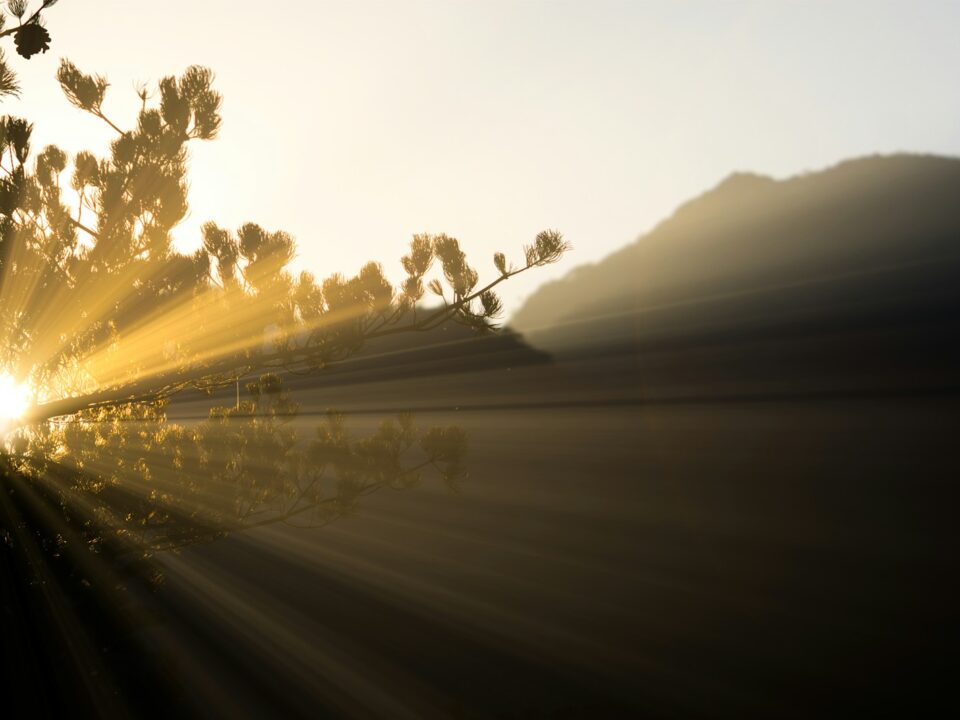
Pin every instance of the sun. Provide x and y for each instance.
(14, 398)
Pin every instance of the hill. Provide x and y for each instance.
(849, 270)
(752, 232)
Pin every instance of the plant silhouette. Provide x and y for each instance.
(30, 37)
(105, 323)
(104, 326)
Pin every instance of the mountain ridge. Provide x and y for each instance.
(781, 229)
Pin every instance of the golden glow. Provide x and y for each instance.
(14, 398)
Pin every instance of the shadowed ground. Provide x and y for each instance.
(710, 557)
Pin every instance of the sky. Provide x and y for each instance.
(355, 124)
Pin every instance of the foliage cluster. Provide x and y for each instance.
(106, 321)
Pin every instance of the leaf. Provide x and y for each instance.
(8, 79)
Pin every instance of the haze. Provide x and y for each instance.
(354, 125)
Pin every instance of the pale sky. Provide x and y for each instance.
(354, 124)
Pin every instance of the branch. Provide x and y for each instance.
(78, 224)
(99, 113)
(436, 318)
(281, 518)
(31, 19)
(223, 372)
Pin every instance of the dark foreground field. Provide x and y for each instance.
(711, 556)
(755, 528)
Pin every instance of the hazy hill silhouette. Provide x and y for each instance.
(858, 262)
(753, 233)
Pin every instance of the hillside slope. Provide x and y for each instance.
(839, 280)
(753, 233)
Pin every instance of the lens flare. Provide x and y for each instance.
(14, 398)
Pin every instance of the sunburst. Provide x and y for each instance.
(15, 399)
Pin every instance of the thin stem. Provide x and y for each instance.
(31, 19)
(98, 113)
(78, 224)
